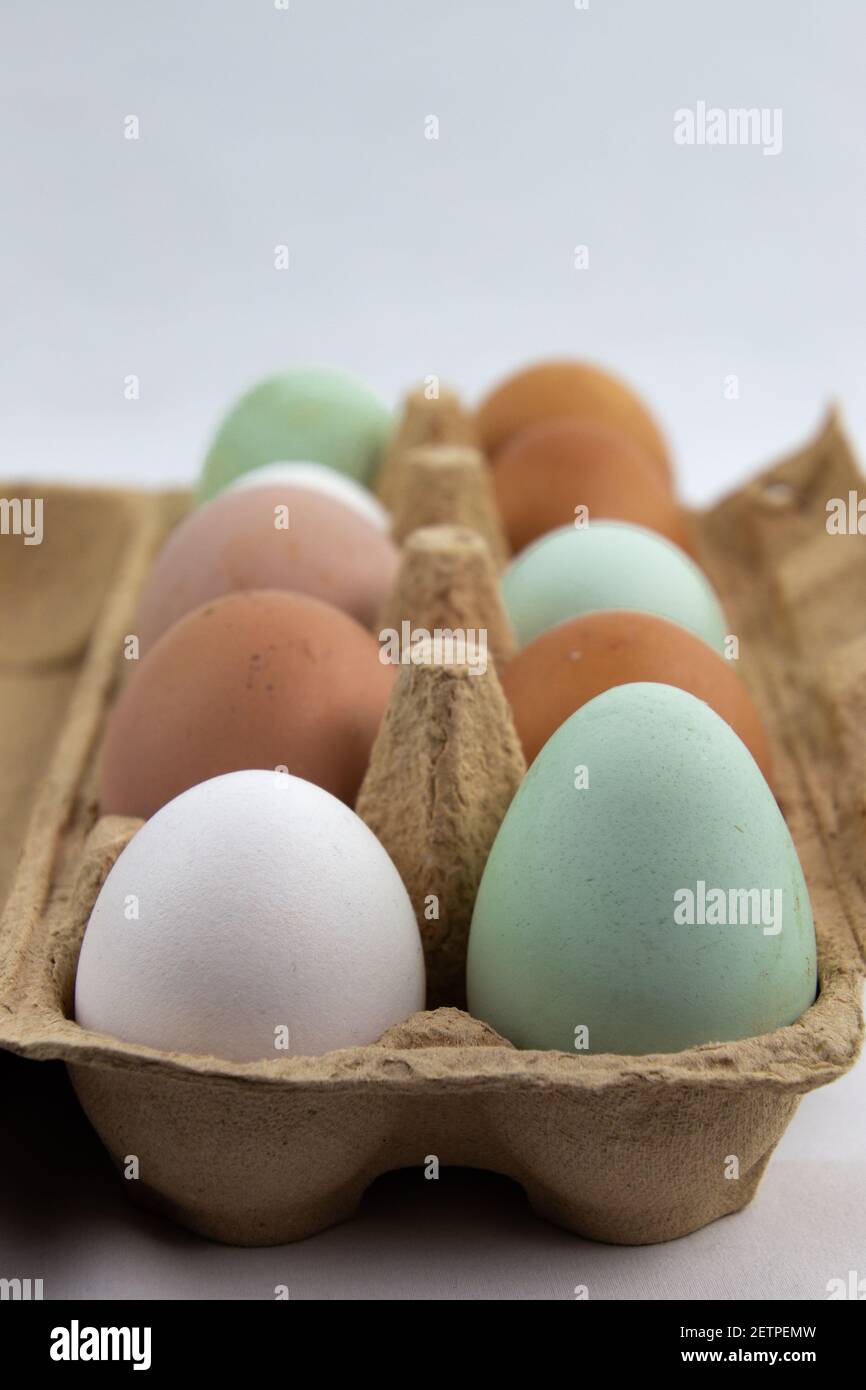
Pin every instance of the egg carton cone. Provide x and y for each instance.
(431, 414)
(446, 580)
(449, 484)
(443, 771)
(625, 1149)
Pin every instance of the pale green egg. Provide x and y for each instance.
(608, 564)
(318, 414)
(643, 893)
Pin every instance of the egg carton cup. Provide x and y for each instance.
(624, 1149)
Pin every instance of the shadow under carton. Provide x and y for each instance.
(629, 1150)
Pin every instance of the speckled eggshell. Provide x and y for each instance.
(570, 664)
(574, 923)
(608, 564)
(254, 916)
(317, 413)
(233, 543)
(318, 477)
(253, 680)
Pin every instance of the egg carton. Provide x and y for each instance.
(624, 1149)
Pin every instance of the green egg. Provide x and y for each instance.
(608, 564)
(318, 414)
(643, 893)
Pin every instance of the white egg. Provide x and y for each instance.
(254, 916)
(318, 477)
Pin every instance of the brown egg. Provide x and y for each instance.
(584, 392)
(546, 471)
(253, 680)
(572, 663)
(240, 541)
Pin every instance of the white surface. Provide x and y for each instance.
(407, 256)
(294, 918)
(64, 1217)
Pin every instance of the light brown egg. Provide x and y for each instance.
(576, 389)
(546, 471)
(240, 541)
(570, 664)
(252, 680)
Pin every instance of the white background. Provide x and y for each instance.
(408, 256)
(306, 127)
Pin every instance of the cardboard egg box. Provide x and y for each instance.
(623, 1149)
